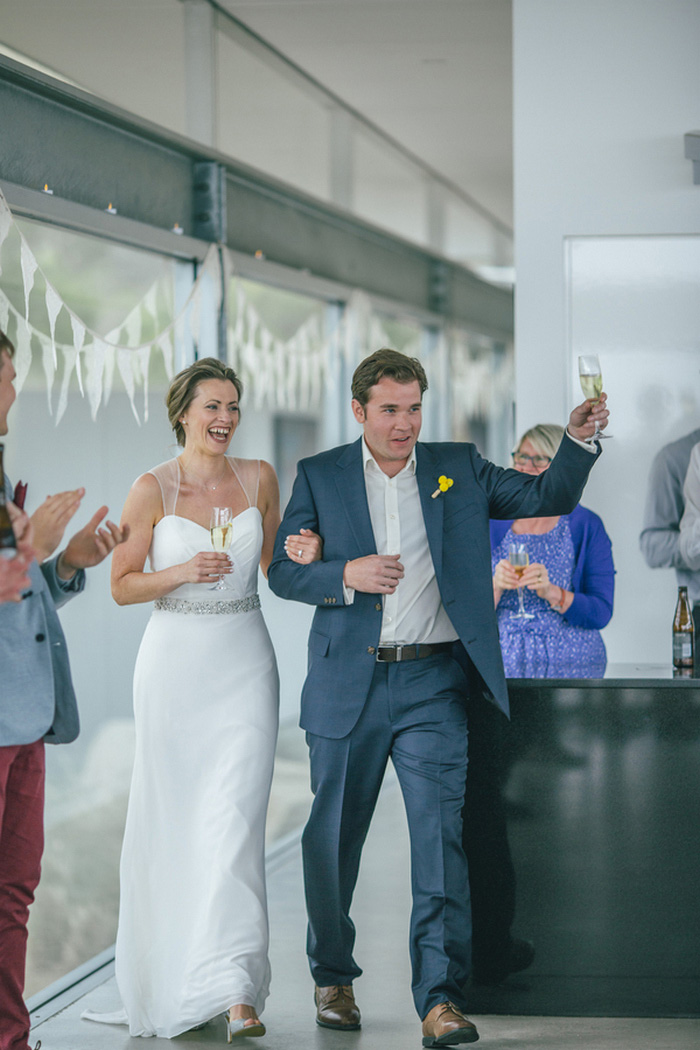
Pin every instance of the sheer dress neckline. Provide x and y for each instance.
(169, 477)
(182, 517)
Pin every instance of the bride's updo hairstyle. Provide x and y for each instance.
(183, 389)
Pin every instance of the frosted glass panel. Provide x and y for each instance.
(388, 191)
(267, 121)
(130, 54)
(471, 240)
(635, 301)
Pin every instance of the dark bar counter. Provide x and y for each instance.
(602, 791)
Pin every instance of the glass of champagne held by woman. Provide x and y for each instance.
(192, 941)
(519, 559)
(221, 531)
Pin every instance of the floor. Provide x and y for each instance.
(607, 858)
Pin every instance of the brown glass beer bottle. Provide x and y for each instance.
(683, 631)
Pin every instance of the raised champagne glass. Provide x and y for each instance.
(591, 377)
(519, 559)
(221, 532)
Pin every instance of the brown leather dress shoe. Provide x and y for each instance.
(336, 1007)
(445, 1025)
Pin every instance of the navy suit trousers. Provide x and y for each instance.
(414, 714)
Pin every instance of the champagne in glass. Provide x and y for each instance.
(221, 531)
(591, 377)
(519, 559)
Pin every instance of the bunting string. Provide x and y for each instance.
(93, 353)
(279, 374)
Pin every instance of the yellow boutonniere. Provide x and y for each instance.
(444, 484)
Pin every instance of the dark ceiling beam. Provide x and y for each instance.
(92, 155)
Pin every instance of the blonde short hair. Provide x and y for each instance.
(545, 438)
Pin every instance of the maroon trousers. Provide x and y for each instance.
(21, 845)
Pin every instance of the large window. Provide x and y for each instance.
(296, 354)
(118, 293)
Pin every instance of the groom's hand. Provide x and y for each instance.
(375, 574)
(584, 417)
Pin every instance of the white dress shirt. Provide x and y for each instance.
(414, 612)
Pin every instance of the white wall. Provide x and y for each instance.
(604, 91)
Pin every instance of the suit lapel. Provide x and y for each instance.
(350, 484)
(427, 473)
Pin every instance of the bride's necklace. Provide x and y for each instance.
(205, 486)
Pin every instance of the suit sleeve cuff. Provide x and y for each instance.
(590, 446)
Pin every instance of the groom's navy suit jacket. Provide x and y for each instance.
(329, 497)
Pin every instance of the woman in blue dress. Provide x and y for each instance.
(567, 591)
(567, 587)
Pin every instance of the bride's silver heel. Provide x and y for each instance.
(236, 1026)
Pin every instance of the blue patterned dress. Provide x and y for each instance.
(546, 646)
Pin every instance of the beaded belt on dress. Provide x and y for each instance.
(182, 605)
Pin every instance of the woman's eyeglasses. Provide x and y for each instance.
(522, 459)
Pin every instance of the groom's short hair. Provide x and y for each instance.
(386, 363)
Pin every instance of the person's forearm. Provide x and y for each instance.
(312, 584)
(591, 611)
(559, 598)
(661, 549)
(689, 546)
(136, 587)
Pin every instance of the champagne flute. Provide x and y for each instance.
(221, 532)
(591, 377)
(519, 559)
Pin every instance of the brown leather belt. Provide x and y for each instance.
(394, 654)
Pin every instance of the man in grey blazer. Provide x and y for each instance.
(37, 704)
(404, 620)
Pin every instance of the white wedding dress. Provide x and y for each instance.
(193, 930)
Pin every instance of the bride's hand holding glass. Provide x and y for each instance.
(205, 567)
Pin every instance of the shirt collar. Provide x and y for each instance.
(369, 462)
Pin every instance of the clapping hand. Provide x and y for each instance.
(90, 546)
(13, 574)
(13, 571)
(50, 519)
(583, 418)
(304, 547)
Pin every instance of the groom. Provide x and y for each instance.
(404, 583)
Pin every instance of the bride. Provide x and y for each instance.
(193, 932)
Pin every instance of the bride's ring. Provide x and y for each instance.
(301, 553)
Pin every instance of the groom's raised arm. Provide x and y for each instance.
(321, 582)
